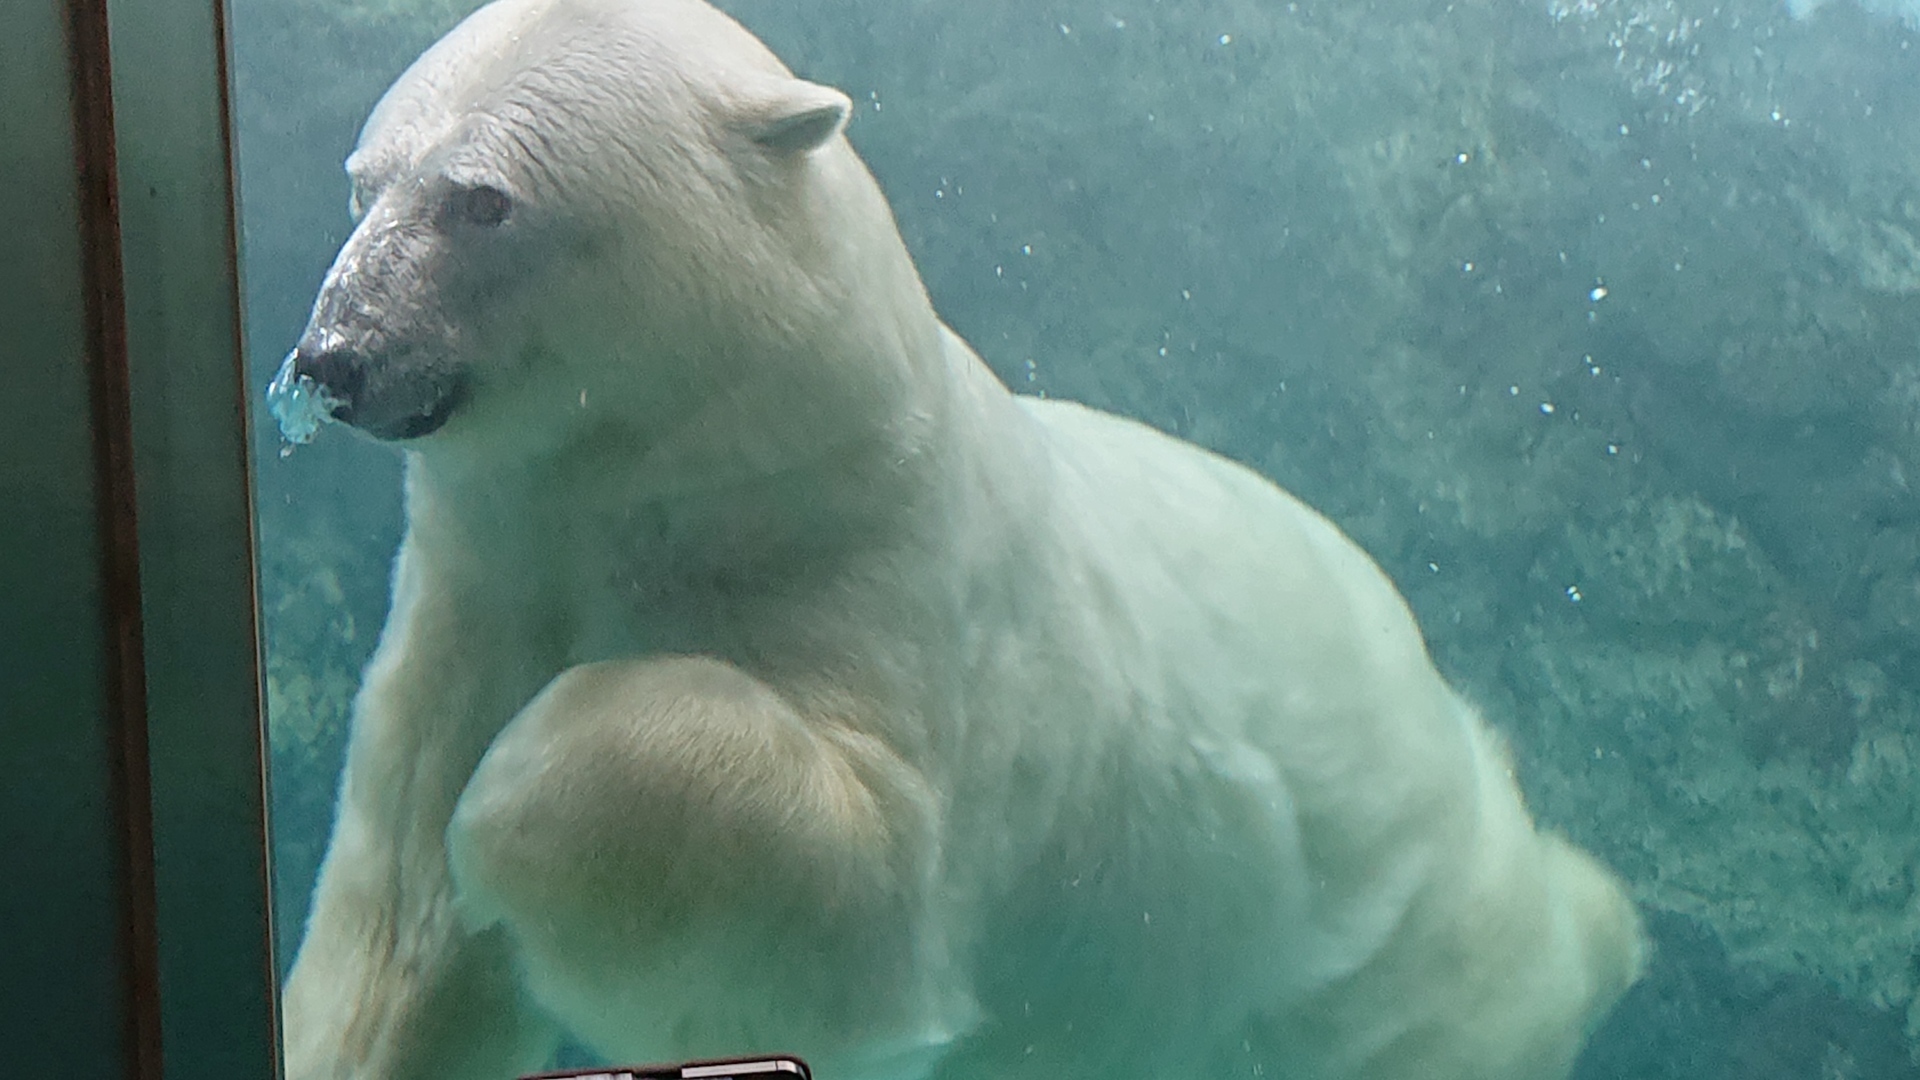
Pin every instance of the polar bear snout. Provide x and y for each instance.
(387, 397)
(381, 349)
(339, 373)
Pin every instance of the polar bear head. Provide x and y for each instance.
(576, 210)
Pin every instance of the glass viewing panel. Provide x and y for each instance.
(758, 675)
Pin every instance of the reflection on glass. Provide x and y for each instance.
(757, 675)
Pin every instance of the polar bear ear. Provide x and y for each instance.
(798, 118)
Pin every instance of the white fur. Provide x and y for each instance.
(762, 675)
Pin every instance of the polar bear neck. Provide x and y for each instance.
(810, 514)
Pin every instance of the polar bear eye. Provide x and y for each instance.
(480, 204)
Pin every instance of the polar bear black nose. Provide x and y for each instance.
(341, 372)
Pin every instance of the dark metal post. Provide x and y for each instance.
(133, 884)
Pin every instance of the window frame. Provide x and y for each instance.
(138, 891)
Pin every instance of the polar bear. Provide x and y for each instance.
(762, 674)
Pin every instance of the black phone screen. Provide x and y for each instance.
(771, 1067)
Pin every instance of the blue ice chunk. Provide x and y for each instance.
(300, 404)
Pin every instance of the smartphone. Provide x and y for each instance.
(770, 1067)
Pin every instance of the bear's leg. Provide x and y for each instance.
(686, 866)
(388, 985)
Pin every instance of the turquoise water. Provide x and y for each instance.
(1595, 323)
